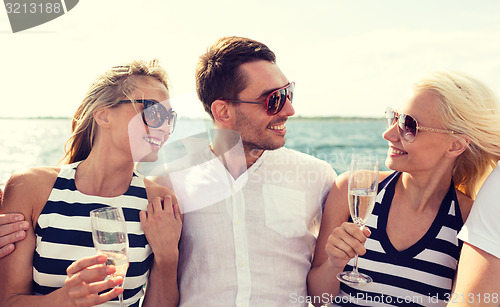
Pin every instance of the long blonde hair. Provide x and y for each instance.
(106, 91)
(470, 108)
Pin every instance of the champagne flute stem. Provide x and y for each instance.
(120, 297)
(355, 268)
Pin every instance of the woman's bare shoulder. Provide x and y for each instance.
(384, 174)
(34, 176)
(27, 191)
(28, 184)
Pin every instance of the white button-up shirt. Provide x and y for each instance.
(249, 241)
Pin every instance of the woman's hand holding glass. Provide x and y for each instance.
(110, 237)
(362, 191)
(87, 278)
(345, 242)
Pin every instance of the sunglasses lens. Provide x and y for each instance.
(390, 117)
(277, 99)
(408, 127)
(290, 91)
(276, 102)
(172, 119)
(154, 115)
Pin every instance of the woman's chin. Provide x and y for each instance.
(150, 157)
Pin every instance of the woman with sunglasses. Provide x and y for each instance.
(442, 144)
(124, 118)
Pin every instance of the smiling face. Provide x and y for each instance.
(428, 149)
(146, 141)
(258, 130)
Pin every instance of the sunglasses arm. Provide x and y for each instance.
(252, 102)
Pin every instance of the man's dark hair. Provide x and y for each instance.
(218, 74)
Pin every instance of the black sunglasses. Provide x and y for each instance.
(407, 125)
(275, 101)
(155, 114)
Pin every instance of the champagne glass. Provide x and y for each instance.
(362, 192)
(110, 238)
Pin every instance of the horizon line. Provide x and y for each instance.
(205, 118)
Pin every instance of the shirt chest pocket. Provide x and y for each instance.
(285, 211)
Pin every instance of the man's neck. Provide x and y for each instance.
(233, 154)
(251, 155)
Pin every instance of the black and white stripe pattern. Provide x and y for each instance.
(421, 275)
(64, 235)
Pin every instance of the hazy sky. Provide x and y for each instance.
(348, 58)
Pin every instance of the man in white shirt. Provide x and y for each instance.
(251, 206)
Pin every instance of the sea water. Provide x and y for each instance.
(26, 143)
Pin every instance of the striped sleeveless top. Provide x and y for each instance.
(421, 275)
(63, 235)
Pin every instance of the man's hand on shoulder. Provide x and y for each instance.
(13, 224)
(12, 229)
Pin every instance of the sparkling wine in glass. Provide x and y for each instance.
(109, 234)
(362, 192)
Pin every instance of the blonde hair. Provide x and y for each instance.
(106, 92)
(471, 109)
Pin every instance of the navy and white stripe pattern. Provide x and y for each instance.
(63, 234)
(421, 275)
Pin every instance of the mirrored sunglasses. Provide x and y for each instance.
(407, 125)
(275, 100)
(155, 114)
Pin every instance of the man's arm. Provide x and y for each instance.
(478, 279)
(12, 229)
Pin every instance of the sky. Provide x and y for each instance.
(347, 57)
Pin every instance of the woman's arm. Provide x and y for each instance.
(20, 196)
(162, 224)
(27, 193)
(337, 243)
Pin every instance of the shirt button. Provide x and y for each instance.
(241, 264)
(237, 222)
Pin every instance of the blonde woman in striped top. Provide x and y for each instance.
(124, 118)
(442, 144)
